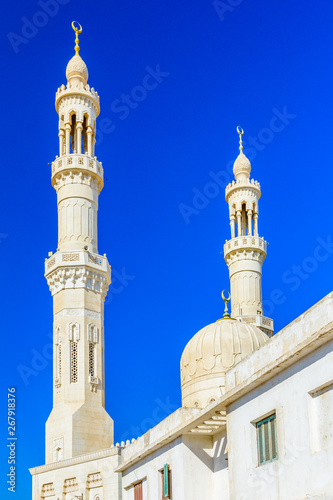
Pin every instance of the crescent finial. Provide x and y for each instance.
(240, 133)
(226, 314)
(77, 29)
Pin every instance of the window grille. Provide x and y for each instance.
(91, 359)
(74, 374)
(59, 360)
(267, 440)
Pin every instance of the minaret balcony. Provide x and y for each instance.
(244, 184)
(83, 95)
(82, 163)
(251, 243)
(265, 324)
(81, 258)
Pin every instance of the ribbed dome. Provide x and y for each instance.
(77, 70)
(210, 353)
(242, 167)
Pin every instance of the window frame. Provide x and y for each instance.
(140, 495)
(169, 496)
(259, 424)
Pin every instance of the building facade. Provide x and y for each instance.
(257, 409)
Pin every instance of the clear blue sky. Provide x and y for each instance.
(266, 66)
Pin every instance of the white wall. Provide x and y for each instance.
(305, 456)
(195, 460)
(111, 481)
(149, 468)
(221, 470)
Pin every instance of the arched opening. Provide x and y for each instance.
(74, 366)
(62, 141)
(84, 134)
(255, 219)
(73, 134)
(92, 359)
(244, 220)
(232, 220)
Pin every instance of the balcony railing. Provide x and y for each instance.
(77, 258)
(81, 162)
(241, 242)
(247, 183)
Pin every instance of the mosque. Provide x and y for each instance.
(256, 416)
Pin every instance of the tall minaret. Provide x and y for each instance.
(245, 252)
(78, 277)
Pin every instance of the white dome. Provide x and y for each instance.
(242, 167)
(77, 70)
(210, 353)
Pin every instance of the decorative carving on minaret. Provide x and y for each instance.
(245, 252)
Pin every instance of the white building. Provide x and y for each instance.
(257, 410)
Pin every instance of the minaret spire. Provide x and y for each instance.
(240, 133)
(78, 30)
(245, 252)
(78, 277)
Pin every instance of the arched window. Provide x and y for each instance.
(84, 134)
(73, 133)
(244, 220)
(59, 361)
(74, 336)
(91, 359)
(57, 342)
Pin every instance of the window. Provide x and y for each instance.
(166, 482)
(57, 381)
(73, 362)
(138, 491)
(73, 337)
(266, 438)
(91, 359)
(59, 361)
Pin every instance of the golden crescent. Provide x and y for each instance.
(240, 130)
(223, 297)
(77, 30)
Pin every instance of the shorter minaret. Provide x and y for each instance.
(245, 252)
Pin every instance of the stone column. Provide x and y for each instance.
(255, 221)
(232, 224)
(239, 223)
(68, 138)
(61, 141)
(89, 140)
(79, 127)
(249, 222)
